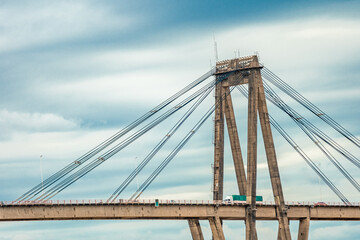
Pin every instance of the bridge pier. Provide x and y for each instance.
(304, 226)
(195, 229)
(216, 228)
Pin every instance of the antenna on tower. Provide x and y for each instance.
(257, 54)
(215, 49)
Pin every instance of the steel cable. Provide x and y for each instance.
(274, 98)
(64, 171)
(155, 150)
(182, 143)
(296, 116)
(96, 162)
(310, 106)
(312, 165)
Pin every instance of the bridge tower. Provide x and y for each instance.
(246, 70)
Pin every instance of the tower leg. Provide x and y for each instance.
(272, 163)
(219, 144)
(251, 160)
(195, 229)
(216, 228)
(235, 143)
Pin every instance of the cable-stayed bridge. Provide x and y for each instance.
(255, 82)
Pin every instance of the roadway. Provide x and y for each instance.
(169, 209)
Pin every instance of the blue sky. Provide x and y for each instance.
(73, 73)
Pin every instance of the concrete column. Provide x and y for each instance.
(218, 144)
(251, 159)
(272, 162)
(304, 229)
(235, 144)
(216, 228)
(279, 234)
(195, 229)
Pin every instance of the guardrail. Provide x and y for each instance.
(168, 202)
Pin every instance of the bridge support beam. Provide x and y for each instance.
(251, 160)
(304, 226)
(235, 143)
(281, 209)
(201, 211)
(195, 229)
(219, 144)
(216, 228)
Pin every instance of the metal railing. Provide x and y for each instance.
(167, 202)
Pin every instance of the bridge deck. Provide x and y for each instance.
(82, 210)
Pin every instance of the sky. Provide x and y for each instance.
(73, 73)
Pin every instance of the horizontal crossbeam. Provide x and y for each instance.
(172, 211)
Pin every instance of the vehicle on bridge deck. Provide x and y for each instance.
(320, 204)
(239, 199)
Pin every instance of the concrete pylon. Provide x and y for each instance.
(246, 70)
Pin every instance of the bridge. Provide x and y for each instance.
(170, 209)
(234, 74)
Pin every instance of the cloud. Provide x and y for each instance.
(145, 75)
(149, 71)
(48, 23)
(286, 45)
(33, 122)
(86, 229)
(335, 231)
(72, 74)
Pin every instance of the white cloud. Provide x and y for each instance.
(35, 24)
(335, 232)
(301, 52)
(291, 49)
(88, 229)
(35, 122)
(147, 75)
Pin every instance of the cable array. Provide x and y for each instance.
(75, 164)
(273, 97)
(152, 153)
(307, 104)
(276, 100)
(311, 163)
(182, 143)
(65, 177)
(99, 160)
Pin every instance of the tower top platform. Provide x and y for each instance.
(237, 64)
